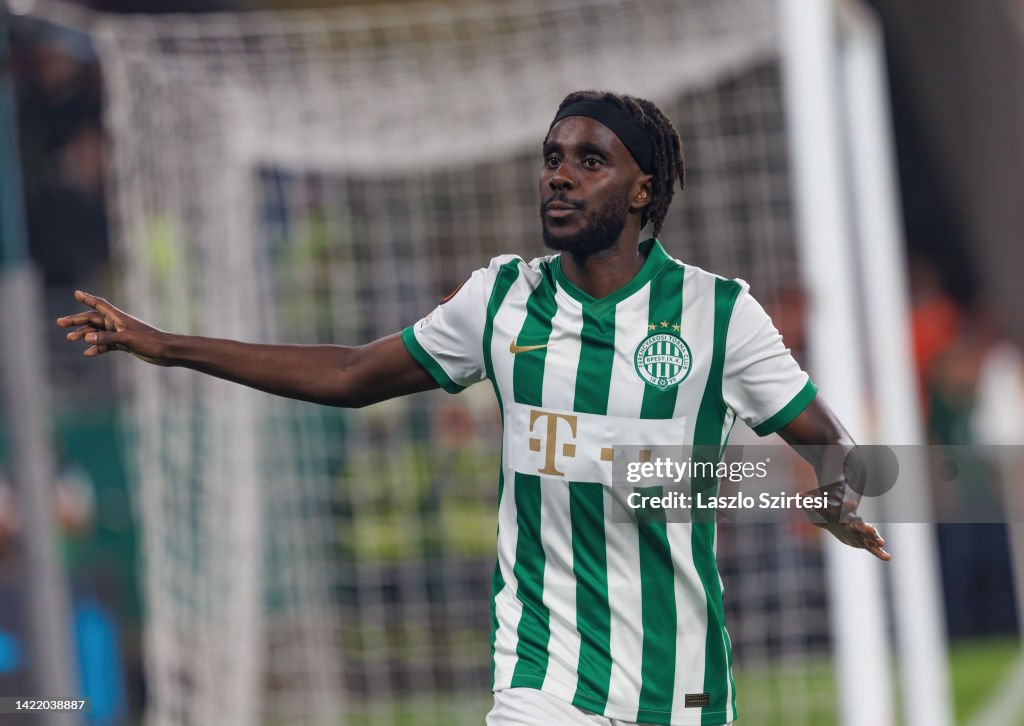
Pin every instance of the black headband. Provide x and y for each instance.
(632, 134)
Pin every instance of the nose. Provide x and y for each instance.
(560, 178)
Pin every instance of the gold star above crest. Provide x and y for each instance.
(675, 328)
(652, 326)
(664, 323)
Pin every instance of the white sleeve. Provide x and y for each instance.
(761, 381)
(448, 341)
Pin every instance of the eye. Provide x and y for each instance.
(591, 162)
(551, 161)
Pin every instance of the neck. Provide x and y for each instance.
(602, 273)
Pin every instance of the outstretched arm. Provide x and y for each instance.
(329, 374)
(814, 434)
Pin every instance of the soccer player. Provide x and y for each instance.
(610, 342)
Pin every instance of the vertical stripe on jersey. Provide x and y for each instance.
(556, 535)
(698, 330)
(528, 367)
(507, 275)
(532, 649)
(597, 341)
(586, 512)
(527, 388)
(622, 543)
(508, 606)
(657, 583)
(707, 443)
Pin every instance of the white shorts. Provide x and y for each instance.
(530, 707)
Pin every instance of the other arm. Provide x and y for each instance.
(814, 434)
(328, 374)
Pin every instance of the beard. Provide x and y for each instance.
(600, 232)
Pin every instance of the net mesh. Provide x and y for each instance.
(327, 176)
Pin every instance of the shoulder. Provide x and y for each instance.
(713, 279)
(501, 261)
(484, 278)
(514, 269)
(502, 273)
(514, 265)
(727, 299)
(699, 281)
(539, 265)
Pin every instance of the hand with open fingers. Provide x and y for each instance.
(855, 532)
(107, 328)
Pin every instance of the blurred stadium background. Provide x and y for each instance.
(251, 170)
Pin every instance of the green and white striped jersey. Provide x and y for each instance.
(621, 619)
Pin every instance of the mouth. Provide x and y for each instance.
(560, 210)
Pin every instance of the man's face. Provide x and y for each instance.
(585, 186)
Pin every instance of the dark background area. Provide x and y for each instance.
(957, 116)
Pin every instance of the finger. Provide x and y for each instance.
(97, 303)
(873, 535)
(875, 546)
(880, 553)
(94, 350)
(105, 338)
(81, 332)
(869, 530)
(90, 316)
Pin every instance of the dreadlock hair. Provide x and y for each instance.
(668, 149)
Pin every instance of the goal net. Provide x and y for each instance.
(326, 177)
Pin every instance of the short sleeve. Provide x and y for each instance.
(761, 381)
(448, 341)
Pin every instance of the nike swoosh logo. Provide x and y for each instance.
(516, 349)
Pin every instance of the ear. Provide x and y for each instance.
(642, 192)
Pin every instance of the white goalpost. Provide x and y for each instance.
(849, 221)
(326, 177)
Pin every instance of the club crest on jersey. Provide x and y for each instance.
(662, 360)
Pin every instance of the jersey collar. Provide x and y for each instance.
(656, 259)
